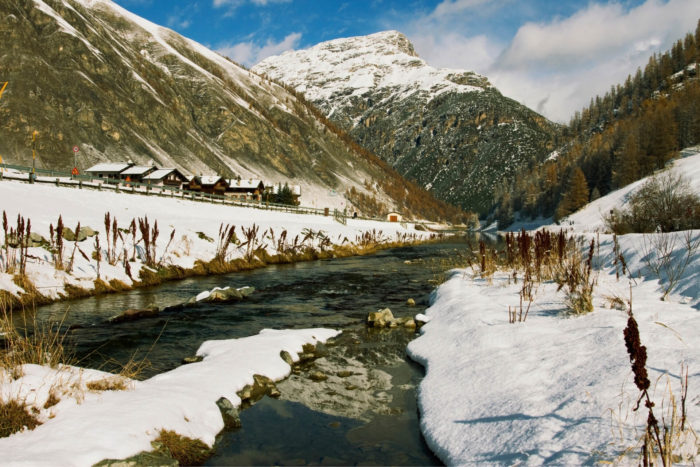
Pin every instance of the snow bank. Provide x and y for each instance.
(553, 389)
(88, 426)
(590, 218)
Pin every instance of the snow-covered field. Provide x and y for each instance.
(196, 226)
(559, 389)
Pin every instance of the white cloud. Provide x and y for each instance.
(250, 53)
(559, 65)
(177, 22)
(451, 7)
(233, 4)
(598, 33)
(452, 50)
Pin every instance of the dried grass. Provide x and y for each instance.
(109, 383)
(186, 451)
(15, 416)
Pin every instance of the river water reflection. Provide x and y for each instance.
(364, 413)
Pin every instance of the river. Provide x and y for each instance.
(364, 413)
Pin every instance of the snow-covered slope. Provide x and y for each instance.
(590, 218)
(448, 130)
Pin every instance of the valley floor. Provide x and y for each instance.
(555, 388)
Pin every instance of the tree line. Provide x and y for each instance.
(627, 134)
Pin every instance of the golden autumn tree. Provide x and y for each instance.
(576, 195)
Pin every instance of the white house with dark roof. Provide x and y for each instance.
(111, 170)
(136, 173)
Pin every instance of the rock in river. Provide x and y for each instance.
(380, 319)
(225, 294)
(135, 313)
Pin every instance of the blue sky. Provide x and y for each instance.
(551, 55)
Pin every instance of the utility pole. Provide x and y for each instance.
(4, 85)
(33, 174)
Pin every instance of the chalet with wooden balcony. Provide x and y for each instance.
(165, 177)
(250, 189)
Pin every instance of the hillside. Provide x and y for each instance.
(630, 132)
(91, 74)
(450, 131)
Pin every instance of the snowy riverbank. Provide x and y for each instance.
(559, 388)
(553, 389)
(196, 235)
(82, 426)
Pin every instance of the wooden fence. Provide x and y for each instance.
(120, 186)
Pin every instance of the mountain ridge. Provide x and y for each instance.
(450, 131)
(92, 74)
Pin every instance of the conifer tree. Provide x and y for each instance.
(576, 195)
(285, 195)
(626, 168)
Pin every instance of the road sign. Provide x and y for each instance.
(75, 171)
(76, 149)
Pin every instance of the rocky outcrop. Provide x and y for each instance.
(84, 233)
(229, 413)
(216, 295)
(262, 386)
(219, 294)
(133, 314)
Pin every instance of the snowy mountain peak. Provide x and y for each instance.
(448, 130)
(385, 42)
(355, 66)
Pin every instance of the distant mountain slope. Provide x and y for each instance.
(450, 131)
(89, 73)
(628, 133)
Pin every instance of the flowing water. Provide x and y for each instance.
(364, 413)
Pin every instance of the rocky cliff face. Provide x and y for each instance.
(89, 73)
(450, 131)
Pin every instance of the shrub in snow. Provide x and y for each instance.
(575, 275)
(15, 416)
(665, 203)
(667, 256)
